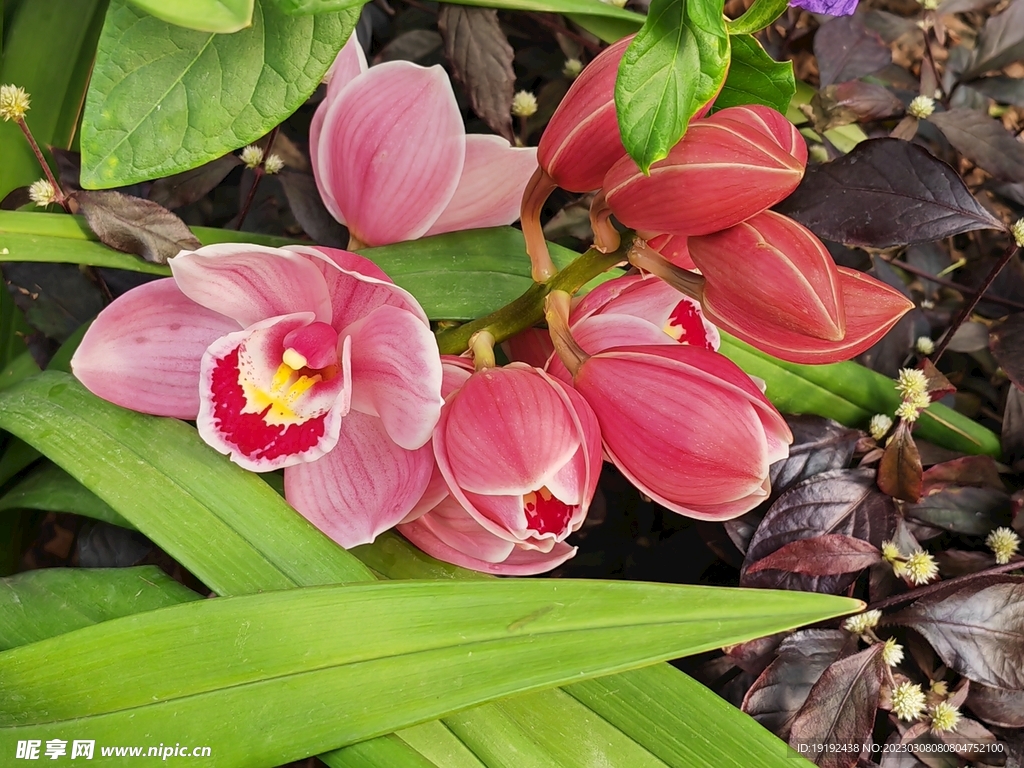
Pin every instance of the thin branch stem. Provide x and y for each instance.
(58, 193)
(260, 173)
(969, 307)
(951, 284)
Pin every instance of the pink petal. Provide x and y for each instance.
(355, 287)
(143, 351)
(511, 412)
(392, 148)
(396, 373)
(450, 522)
(349, 64)
(600, 332)
(237, 415)
(249, 283)
(532, 346)
(521, 562)
(435, 493)
(365, 486)
(491, 188)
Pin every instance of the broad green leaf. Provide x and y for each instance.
(756, 78)
(39, 604)
(203, 15)
(757, 16)
(203, 672)
(674, 66)
(164, 99)
(50, 489)
(605, 28)
(587, 7)
(852, 394)
(48, 51)
(174, 488)
(17, 369)
(458, 276)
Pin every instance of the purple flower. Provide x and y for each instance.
(827, 7)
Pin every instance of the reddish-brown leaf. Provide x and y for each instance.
(900, 473)
(828, 555)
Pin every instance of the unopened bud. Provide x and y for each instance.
(879, 426)
(572, 68)
(929, 5)
(892, 652)
(908, 701)
(524, 104)
(1004, 544)
(921, 107)
(273, 163)
(1017, 230)
(945, 717)
(252, 156)
(924, 345)
(13, 102)
(42, 193)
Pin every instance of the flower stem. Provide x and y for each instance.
(260, 173)
(528, 309)
(58, 193)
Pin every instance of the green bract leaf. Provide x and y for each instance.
(203, 672)
(164, 99)
(204, 15)
(588, 7)
(674, 66)
(45, 603)
(757, 16)
(756, 78)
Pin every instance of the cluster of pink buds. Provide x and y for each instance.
(762, 276)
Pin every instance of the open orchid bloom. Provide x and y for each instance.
(520, 455)
(308, 359)
(392, 159)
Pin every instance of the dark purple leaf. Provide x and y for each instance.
(843, 501)
(977, 630)
(779, 692)
(998, 706)
(107, 546)
(1011, 436)
(56, 298)
(309, 210)
(1000, 42)
(930, 258)
(900, 472)
(972, 740)
(134, 225)
(846, 50)
(958, 562)
(830, 554)
(969, 337)
(976, 471)
(890, 26)
(886, 192)
(187, 187)
(754, 655)
(416, 45)
(840, 710)
(983, 141)
(963, 6)
(1005, 90)
(482, 61)
(852, 102)
(1006, 341)
(69, 168)
(741, 529)
(14, 199)
(970, 511)
(818, 445)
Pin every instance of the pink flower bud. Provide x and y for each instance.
(581, 141)
(685, 426)
(721, 173)
(770, 122)
(767, 274)
(520, 453)
(872, 308)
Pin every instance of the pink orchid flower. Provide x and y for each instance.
(392, 159)
(518, 458)
(307, 359)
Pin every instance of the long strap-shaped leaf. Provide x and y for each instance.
(157, 473)
(264, 679)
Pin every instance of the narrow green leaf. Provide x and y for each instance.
(174, 488)
(203, 15)
(39, 604)
(50, 489)
(588, 7)
(756, 78)
(458, 276)
(164, 99)
(13, 330)
(674, 66)
(17, 369)
(757, 17)
(48, 51)
(852, 394)
(606, 28)
(203, 672)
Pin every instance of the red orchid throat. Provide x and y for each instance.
(545, 513)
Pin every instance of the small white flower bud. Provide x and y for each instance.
(572, 68)
(42, 193)
(879, 426)
(921, 107)
(524, 104)
(252, 156)
(13, 102)
(1017, 230)
(1004, 544)
(273, 163)
(924, 345)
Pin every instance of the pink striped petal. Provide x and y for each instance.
(600, 332)
(521, 562)
(249, 283)
(491, 188)
(143, 351)
(450, 522)
(532, 346)
(362, 488)
(396, 373)
(677, 315)
(248, 413)
(357, 286)
(510, 411)
(672, 247)
(391, 151)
